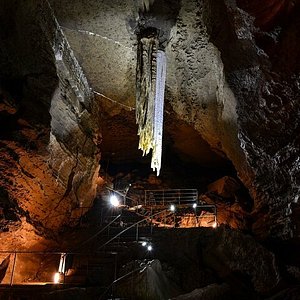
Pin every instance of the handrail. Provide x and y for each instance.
(168, 196)
(59, 252)
(131, 226)
(121, 194)
(95, 235)
(119, 279)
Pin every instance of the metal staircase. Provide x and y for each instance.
(96, 260)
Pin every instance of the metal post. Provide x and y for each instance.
(13, 269)
(101, 216)
(137, 232)
(151, 224)
(174, 220)
(115, 275)
(81, 214)
(216, 215)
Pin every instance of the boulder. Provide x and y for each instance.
(225, 187)
(228, 213)
(240, 260)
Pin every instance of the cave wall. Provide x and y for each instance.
(49, 127)
(197, 88)
(236, 84)
(262, 70)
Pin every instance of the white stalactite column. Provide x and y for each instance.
(150, 87)
(158, 117)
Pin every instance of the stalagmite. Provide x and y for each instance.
(151, 77)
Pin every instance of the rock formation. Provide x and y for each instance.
(67, 100)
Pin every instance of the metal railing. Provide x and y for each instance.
(39, 268)
(112, 286)
(172, 196)
(136, 226)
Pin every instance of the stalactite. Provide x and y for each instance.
(150, 84)
(158, 110)
(144, 5)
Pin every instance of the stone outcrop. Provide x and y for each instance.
(228, 80)
(262, 70)
(235, 256)
(201, 257)
(226, 187)
(50, 144)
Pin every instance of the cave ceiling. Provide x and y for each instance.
(232, 88)
(102, 35)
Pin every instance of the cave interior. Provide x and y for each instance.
(82, 86)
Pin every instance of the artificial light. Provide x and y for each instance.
(114, 201)
(56, 277)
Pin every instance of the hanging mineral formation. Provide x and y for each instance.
(150, 86)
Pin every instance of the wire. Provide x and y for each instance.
(114, 101)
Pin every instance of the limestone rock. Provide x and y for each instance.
(148, 283)
(228, 213)
(239, 258)
(3, 267)
(265, 86)
(225, 187)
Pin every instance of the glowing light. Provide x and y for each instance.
(62, 263)
(195, 205)
(114, 201)
(172, 207)
(144, 244)
(215, 225)
(56, 277)
(149, 248)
